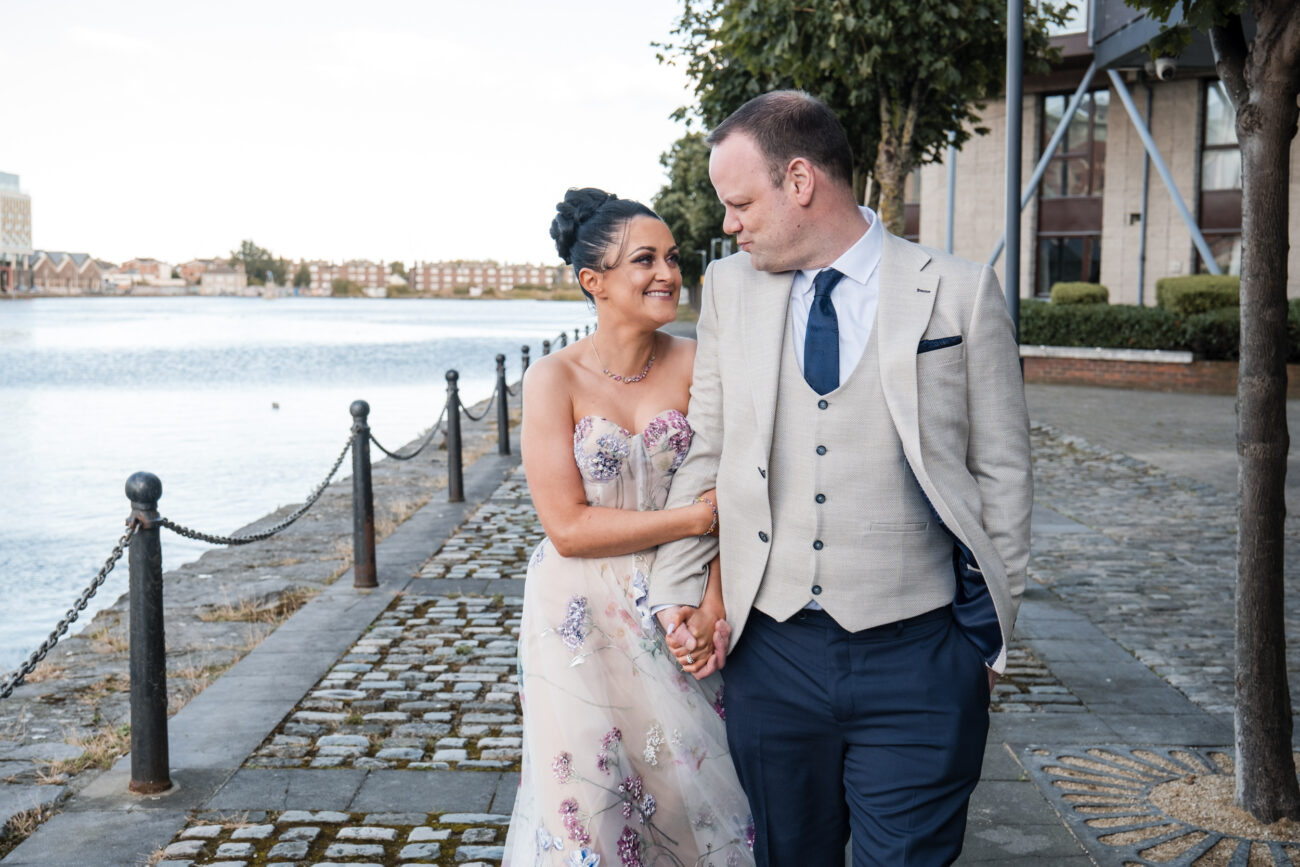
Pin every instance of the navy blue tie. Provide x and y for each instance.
(821, 343)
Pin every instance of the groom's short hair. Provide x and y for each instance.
(786, 124)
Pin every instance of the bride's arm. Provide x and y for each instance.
(575, 528)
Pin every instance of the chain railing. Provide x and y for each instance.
(149, 763)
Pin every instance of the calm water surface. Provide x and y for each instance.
(94, 389)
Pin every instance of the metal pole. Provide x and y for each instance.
(1015, 99)
(1152, 151)
(149, 754)
(455, 472)
(364, 572)
(1146, 195)
(546, 348)
(503, 408)
(952, 189)
(1039, 170)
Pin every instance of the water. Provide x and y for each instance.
(94, 389)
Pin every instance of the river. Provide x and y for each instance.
(238, 405)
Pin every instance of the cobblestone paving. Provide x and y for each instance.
(1158, 574)
(432, 685)
(497, 539)
(326, 838)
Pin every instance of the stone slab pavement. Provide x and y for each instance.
(314, 749)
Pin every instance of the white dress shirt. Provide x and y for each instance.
(855, 296)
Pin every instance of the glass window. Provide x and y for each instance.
(1221, 169)
(1227, 252)
(1068, 260)
(1078, 168)
(1220, 155)
(1220, 116)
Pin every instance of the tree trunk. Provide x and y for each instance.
(888, 177)
(1266, 122)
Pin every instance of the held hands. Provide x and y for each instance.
(698, 637)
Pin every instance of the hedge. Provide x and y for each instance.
(1213, 335)
(1198, 293)
(1079, 293)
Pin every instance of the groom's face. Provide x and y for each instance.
(763, 217)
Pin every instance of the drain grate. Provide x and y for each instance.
(1129, 805)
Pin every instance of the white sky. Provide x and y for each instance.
(387, 129)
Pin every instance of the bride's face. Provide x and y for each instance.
(646, 280)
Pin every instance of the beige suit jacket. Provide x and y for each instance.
(959, 412)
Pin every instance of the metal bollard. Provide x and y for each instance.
(523, 367)
(576, 338)
(455, 472)
(586, 330)
(546, 347)
(503, 408)
(364, 573)
(149, 754)
(564, 339)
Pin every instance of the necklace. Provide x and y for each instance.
(626, 380)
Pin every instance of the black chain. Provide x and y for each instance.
(265, 534)
(469, 415)
(16, 677)
(433, 431)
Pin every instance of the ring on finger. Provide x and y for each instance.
(690, 660)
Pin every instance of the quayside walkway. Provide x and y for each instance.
(383, 728)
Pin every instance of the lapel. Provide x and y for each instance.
(902, 313)
(765, 309)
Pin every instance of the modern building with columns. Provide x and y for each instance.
(1102, 212)
(15, 235)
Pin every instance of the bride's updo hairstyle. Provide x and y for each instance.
(589, 225)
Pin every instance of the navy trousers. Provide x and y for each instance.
(879, 732)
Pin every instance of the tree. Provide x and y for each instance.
(257, 261)
(688, 203)
(1262, 78)
(397, 268)
(302, 279)
(902, 75)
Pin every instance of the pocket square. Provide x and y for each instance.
(937, 343)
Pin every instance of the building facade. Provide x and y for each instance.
(59, 273)
(221, 279)
(15, 234)
(447, 276)
(1102, 213)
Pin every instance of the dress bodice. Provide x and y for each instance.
(623, 470)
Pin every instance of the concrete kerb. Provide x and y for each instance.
(215, 732)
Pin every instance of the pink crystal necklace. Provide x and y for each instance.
(626, 380)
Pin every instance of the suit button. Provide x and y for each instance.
(762, 537)
(821, 404)
(817, 546)
(817, 589)
(821, 450)
(821, 498)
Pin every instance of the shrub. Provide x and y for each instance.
(1120, 326)
(1198, 293)
(1079, 293)
(342, 288)
(399, 290)
(1214, 335)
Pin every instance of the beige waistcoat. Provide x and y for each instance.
(872, 553)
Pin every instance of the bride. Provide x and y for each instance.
(625, 756)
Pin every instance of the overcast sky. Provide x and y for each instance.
(388, 129)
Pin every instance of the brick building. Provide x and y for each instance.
(1086, 221)
(444, 276)
(15, 234)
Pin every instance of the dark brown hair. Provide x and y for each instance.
(790, 123)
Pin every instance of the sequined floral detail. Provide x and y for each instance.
(583, 858)
(563, 767)
(573, 824)
(573, 629)
(546, 842)
(641, 597)
(654, 739)
(539, 554)
(601, 459)
(719, 707)
(668, 433)
(629, 848)
(631, 789)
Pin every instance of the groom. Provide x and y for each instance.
(858, 404)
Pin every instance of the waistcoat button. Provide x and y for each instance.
(762, 537)
(821, 450)
(817, 589)
(821, 498)
(821, 404)
(817, 546)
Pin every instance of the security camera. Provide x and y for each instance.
(1165, 68)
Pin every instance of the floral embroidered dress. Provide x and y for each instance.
(625, 757)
